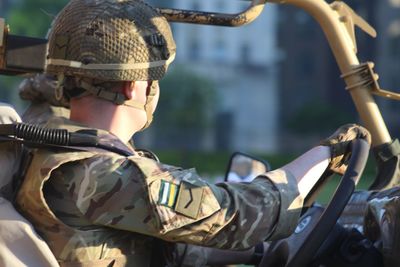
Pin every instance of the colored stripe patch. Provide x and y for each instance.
(168, 192)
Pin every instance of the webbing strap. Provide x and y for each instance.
(126, 66)
(147, 108)
(116, 98)
(386, 152)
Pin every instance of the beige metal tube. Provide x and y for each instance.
(343, 49)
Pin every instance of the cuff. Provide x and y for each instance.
(291, 203)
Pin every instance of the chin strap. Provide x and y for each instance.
(151, 93)
(59, 90)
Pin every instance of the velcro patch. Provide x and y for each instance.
(60, 49)
(189, 200)
(167, 194)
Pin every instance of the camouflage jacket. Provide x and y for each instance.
(140, 195)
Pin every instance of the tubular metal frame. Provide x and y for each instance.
(337, 21)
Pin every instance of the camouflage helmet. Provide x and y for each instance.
(111, 40)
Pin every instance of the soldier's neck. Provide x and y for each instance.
(103, 115)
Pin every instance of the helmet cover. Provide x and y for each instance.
(110, 40)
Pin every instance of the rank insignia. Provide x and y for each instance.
(168, 193)
(189, 200)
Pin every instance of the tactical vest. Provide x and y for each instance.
(100, 246)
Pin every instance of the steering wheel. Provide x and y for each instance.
(299, 249)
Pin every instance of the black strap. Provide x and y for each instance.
(19, 176)
(387, 151)
(257, 254)
(38, 136)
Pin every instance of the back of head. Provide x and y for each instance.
(40, 89)
(110, 40)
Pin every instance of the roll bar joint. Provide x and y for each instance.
(365, 77)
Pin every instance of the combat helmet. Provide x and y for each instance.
(110, 41)
(115, 40)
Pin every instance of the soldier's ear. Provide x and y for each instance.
(128, 88)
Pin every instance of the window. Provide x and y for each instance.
(221, 6)
(394, 47)
(195, 6)
(393, 33)
(220, 51)
(194, 50)
(245, 53)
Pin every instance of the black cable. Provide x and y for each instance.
(38, 135)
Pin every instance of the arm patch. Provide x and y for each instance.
(189, 200)
(167, 194)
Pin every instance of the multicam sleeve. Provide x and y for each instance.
(226, 215)
(291, 203)
(266, 209)
(141, 195)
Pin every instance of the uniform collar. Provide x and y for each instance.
(103, 135)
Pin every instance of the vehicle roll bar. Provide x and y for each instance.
(213, 18)
(338, 22)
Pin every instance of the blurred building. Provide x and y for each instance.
(4, 5)
(241, 62)
(388, 58)
(313, 98)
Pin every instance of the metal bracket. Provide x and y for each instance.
(387, 151)
(364, 76)
(212, 18)
(350, 18)
(3, 38)
(19, 54)
(3, 30)
(387, 157)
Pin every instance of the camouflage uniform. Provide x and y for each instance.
(95, 207)
(95, 204)
(382, 222)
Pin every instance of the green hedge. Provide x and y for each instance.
(215, 163)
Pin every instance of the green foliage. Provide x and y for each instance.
(186, 99)
(213, 164)
(33, 17)
(216, 162)
(184, 110)
(7, 82)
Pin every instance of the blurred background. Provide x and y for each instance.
(271, 88)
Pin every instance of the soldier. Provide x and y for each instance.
(97, 207)
(18, 237)
(39, 91)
